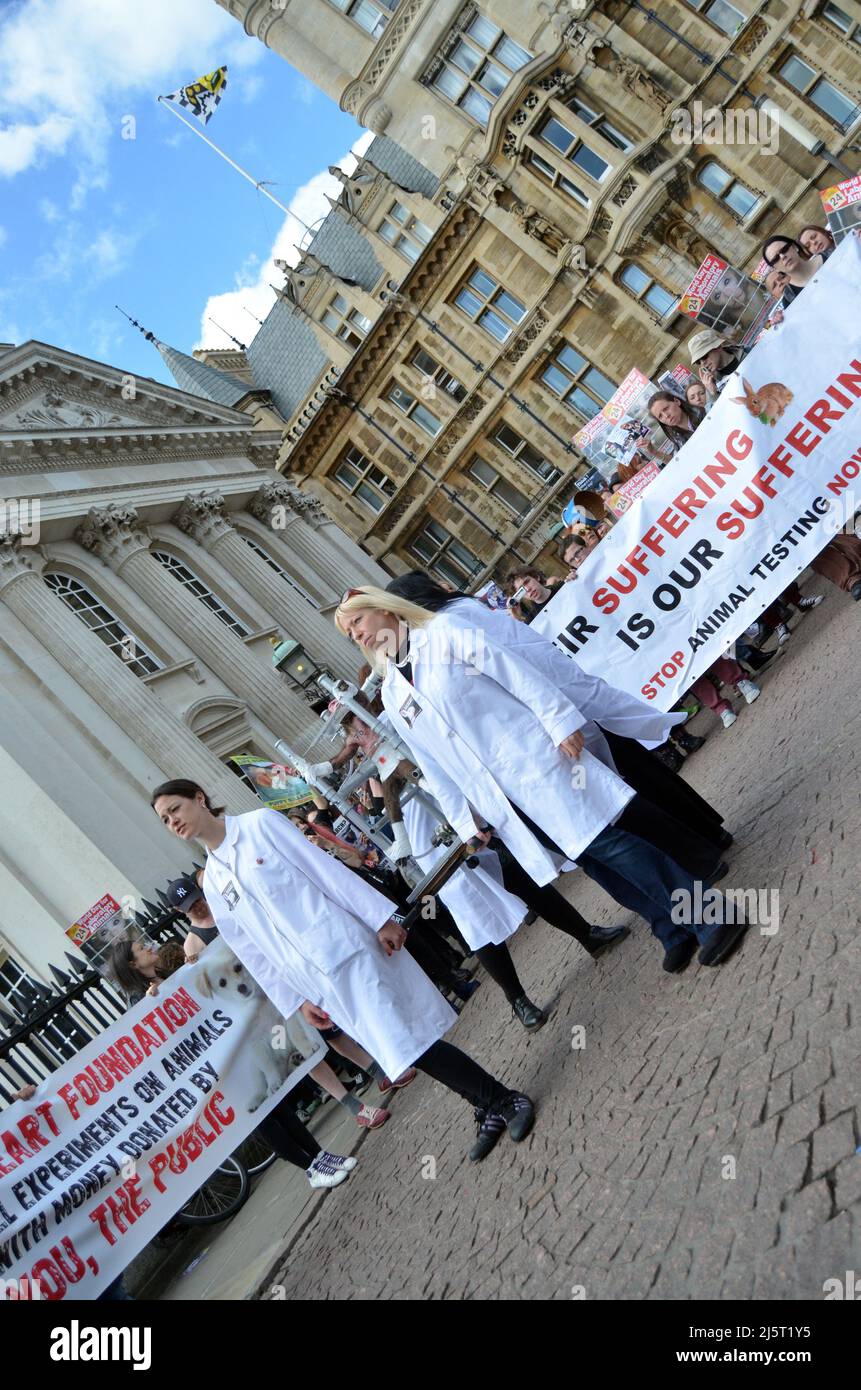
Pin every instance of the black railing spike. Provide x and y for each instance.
(8, 1020)
(63, 978)
(79, 966)
(163, 899)
(141, 921)
(151, 908)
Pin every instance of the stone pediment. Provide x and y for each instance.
(46, 393)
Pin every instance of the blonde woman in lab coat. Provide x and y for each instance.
(321, 940)
(497, 736)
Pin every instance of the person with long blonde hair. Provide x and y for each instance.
(486, 707)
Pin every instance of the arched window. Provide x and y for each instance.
(273, 565)
(103, 623)
(197, 587)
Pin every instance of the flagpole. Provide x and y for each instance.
(232, 162)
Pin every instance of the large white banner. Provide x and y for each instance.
(113, 1144)
(743, 508)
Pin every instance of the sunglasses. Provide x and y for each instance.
(787, 245)
(350, 593)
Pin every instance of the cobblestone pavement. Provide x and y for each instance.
(620, 1188)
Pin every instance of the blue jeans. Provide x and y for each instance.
(643, 879)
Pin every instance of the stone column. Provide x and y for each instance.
(132, 705)
(203, 517)
(313, 537)
(114, 535)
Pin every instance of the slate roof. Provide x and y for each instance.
(285, 357)
(199, 379)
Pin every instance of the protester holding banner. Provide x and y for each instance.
(816, 241)
(318, 939)
(677, 418)
(714, 358)
(786, 254)
(496, 734)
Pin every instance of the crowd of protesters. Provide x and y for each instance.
(497, 732)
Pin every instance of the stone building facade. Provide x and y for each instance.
(148, 554)
(519, 233)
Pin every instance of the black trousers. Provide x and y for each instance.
(458, 1072)
(288, 1136)
(665, 789)
(424, 949)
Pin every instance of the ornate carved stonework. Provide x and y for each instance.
(395, 513)
(632, 77)
(533, 330)
(682, 238)
(56, 410)
(286, 497)
(203, 516)
(16, 559)
(626, 188)
(270, 495)
(536, 225)
(113, 533)
(751, 38)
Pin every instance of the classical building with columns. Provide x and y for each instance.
(519, 233)
(149, 555)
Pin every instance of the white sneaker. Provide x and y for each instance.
(324, 1173)
(728, 718)
(340, 1161)
(783, 634)
(750, 691)
(810, 601)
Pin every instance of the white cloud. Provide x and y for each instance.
(65, 63)
(49, 210)
(232, 308)
(4, 236)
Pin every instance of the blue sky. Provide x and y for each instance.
(157, 223)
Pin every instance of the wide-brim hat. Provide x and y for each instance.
(705, 342)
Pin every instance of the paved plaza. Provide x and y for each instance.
(625, 1189)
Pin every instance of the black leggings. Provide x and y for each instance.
(458, 1071)
(546, 901)
(501, 969)
(288, 1136)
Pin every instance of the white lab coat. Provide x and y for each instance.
(485, 913)
(484, 723)
(612, 708)
(305, 926)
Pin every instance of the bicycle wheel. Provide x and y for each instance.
(256, 1154)
(223, 1194)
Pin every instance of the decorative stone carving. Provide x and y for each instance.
(632, 77)
(533, 330)
(268, 497)
(626, 188)
(682, 238)
(113, 533)
(56, 410)
(537, 226)
(285, 496)
(203, 516)
(603, 222)
(751, 38)
(16, 558)
(377, 116)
